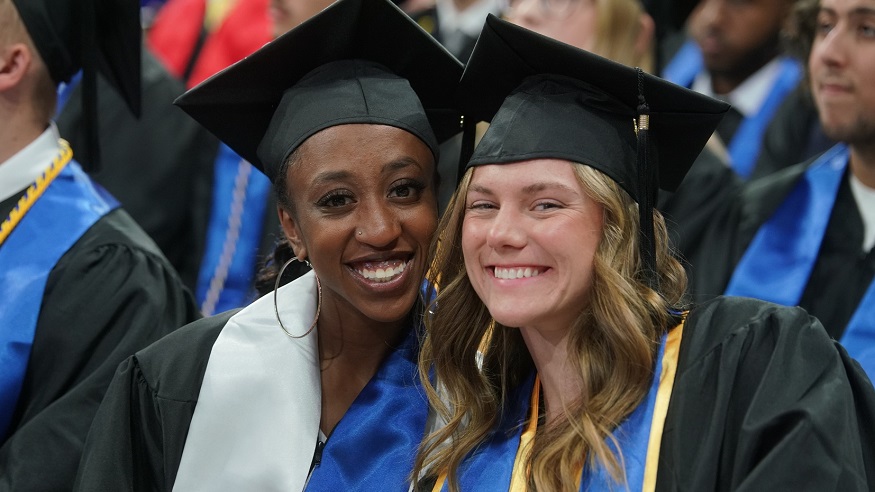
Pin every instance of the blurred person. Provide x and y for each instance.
(162, 162)
(456, 23)
(734, 54)
(559, 350)
(295, 390)
(83, 286)
(805, 235)
(620, 30)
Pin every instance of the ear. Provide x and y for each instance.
(15, 61)
(646, 32)
(292, 232)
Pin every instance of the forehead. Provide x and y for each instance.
(362, 149)
(530, 175)
(849, 6)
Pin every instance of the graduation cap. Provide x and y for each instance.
(358, 61)
(92, 35)
(546, 99)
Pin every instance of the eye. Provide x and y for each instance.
(406, 188)
(867, 30)
(545, 205)
(335, 199)
(480, 205)
(823, 25)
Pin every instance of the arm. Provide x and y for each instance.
(103, 301)
(765, 401)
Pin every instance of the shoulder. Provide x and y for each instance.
(759, 198)
(174, 366)
(752, 326)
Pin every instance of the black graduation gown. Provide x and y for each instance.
(143, 423)
(841, 273)
(764, 400)
(110, 295)
(159, 167)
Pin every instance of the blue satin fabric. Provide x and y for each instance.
(859, 337)
(374, 444)
(489, 467)
(68, 208)
(237, 289)
(778, 263)
(747, 141)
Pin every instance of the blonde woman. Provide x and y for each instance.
(616, 29)
(596, 376)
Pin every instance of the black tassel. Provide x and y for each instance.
(469, 133)
(91, 162)
(647, 187)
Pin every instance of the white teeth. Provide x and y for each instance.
(512, 273)
(382, 274)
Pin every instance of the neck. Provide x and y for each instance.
(16, 133)
(863, 163)
(560, 381)
(724, 82)
(350, 352)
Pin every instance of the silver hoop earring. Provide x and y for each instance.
(318, 300)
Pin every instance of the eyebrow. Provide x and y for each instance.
(528, 189)
(854, 12)
(394, 165)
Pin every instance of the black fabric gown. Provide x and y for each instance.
(110, 295)
(764, 400)
(841, 273)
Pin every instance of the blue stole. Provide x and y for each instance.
(374, 444)
(747, 141)
(490, 466)
(778, 262)
(227, 271)
(69, 207)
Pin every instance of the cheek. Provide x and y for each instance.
(472, 241)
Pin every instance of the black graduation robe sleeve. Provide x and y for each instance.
(111, 294)
(763, 400)
(139, 432)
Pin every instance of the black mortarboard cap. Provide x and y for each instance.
(546, 99)
(92, 35)
(358, 61)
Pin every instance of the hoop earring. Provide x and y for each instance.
(318, 300)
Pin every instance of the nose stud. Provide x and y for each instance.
(360, 233)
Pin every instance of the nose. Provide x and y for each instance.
(378, 225)
(506, 230)
(830, 49)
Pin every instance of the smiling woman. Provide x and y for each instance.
(294, 390)
(560, 352)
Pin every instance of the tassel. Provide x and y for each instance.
(469, 131)
(647, 190)
(91, 162)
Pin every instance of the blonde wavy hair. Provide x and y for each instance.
(613, 347)
(618, 25)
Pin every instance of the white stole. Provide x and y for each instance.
(256, 422)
